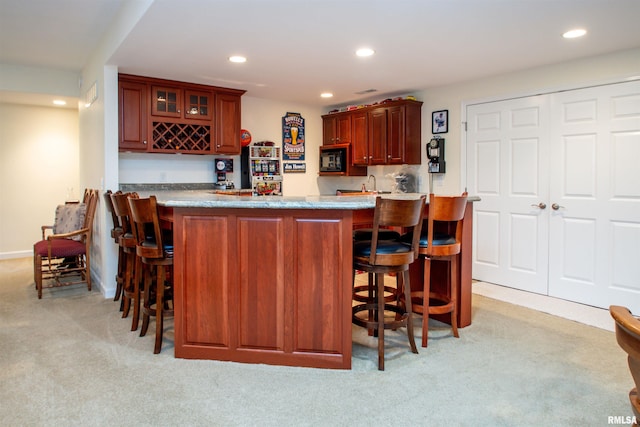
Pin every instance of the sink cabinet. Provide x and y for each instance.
(383, 134)
(163, 116)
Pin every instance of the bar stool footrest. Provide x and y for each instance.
(399, 321)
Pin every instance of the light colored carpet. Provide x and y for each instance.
(70, 360)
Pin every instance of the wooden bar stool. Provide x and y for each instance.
(127, 255)
(366, 233)
(116, 232)
(628, 338)
(442, 246)
(380, 257)
(156, 256)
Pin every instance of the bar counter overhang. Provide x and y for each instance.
(268, 279)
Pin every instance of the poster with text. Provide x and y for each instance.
(292, 137)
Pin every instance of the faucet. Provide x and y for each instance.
(374, 182)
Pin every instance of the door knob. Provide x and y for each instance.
(556, 206)
(540, 205)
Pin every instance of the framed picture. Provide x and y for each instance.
(440, 122)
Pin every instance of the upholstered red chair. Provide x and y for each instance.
(63, 256)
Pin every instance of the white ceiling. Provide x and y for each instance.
(297, 49)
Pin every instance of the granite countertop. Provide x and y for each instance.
(208, 199)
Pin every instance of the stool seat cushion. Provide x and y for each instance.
(363, 248)
(60, 248)
(439, 239)
(367, 234)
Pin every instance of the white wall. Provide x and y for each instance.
(38, 167)
(569, 75)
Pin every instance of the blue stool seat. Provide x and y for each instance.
(363, 248)
(439, 239)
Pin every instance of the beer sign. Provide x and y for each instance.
(292, 137)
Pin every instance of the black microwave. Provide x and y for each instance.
(333, 158)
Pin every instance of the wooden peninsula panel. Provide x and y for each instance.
(263, 286)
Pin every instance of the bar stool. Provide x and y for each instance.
(380, 257)
(443, 247)
(127, 255)
(116, 232)
(366, 233)
(156, 257)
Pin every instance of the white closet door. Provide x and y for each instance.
(594, 241)
(508, 168)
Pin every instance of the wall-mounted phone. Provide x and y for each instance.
(435, 154)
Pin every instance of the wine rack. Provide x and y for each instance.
(180, 137)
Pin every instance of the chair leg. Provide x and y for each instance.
(160, 274)
(380, 318)
(406, 290)
(119, 276)
(454, 295)
(37, 267)
(87, 269)
(146, 302)
(425, 300)
(126, 286)
(136, 293)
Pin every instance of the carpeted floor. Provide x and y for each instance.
(70, 360)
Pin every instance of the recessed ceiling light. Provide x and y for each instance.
(326, 95)
(59, 102)
(365, 51)
(572, 34)
(237, 59)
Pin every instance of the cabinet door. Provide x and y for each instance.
(227, 124)
(343, 129)
(328, 130)
(166, 101)
(359, 141)
(198, 105)
(395, 135)
(133, 116)
(336, 129)
(377, 136)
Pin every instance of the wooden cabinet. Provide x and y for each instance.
(198, 105)
(288, 304)
(163, 116)
(166, 101)
(132, 115)
(360, 139)
(336, 130)
(377, 142)
(383, 134)
(227, 124)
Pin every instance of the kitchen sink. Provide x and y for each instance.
(367, 192)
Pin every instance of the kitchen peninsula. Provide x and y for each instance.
(268, 279)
